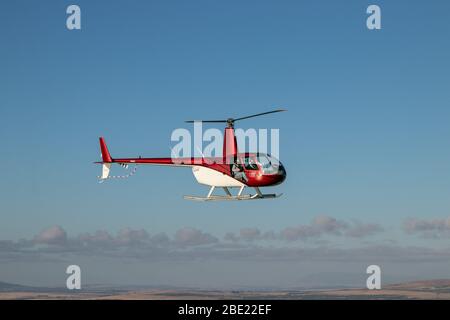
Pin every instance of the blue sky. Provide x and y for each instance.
(366, 136)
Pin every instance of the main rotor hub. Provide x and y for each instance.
(230, 122)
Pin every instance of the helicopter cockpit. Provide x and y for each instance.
(261, 161)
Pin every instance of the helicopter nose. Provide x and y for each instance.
(281, 173)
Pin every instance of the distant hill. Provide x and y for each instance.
(421, 285)
(8, 287)
(13, 287)
(427, 289)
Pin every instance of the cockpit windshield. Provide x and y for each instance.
(268, 164)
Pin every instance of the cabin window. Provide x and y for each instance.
(250, 163)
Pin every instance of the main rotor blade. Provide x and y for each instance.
(192, 121)
(231, 120)
(259, 114)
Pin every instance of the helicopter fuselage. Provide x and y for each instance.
(247, 169)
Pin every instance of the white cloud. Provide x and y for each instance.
(360, 230)
(432, 228)
(193, 237)
(54, 235)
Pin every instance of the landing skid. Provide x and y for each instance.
(230, 197)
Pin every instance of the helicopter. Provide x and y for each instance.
(232, 170)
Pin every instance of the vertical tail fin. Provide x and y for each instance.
(104, 149)
(106, 157)
(107, 161)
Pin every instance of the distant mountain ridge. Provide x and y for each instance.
(421, 284)
(13, 287)
(422, 289)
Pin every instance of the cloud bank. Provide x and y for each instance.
(432, 228)
(304, 242)
(321, 226)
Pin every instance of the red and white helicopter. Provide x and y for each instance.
(232, 170)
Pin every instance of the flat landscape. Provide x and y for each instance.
(430, 290)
